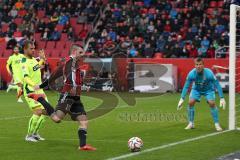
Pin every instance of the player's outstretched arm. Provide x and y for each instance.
(9, 62)
(184, 92)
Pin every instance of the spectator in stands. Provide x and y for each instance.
(6, 18)
(148, 51)
(160, 44)
(12, 26)
(2, 34)
(13, 12)
(23, 26)
(211, 52)
(19, 5)
(45, 35)
(202, 51)
(150, 27)
(83, 34)
(17, 33)
(54, 18)
(63, 19)
(112, 34)
(27, 17)
(82, 18)
(9, 33)
(213, 21)
(40, 25)
(176, 51)
(11, 43)
(205, 42)
(55, 35)
(26, 32)
(193, 53)
(49, 10)
(66, 27)
(71, 35)
(167, 53)
(132, 52)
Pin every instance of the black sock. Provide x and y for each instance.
(46, 105)
(82, 134)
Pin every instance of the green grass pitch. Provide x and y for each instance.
(154, 119)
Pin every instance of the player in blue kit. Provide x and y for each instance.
(204, 84)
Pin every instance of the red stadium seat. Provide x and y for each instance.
(41, 44)
(4, 27)
(46, 19)
(68, 44)
(79, 43)
(73, 21)
(48, 52)
(64, 37)
(7, 52)
(1, 52)
(3, 45)
(89, 27)
(213, 4)
(60, 45)
(77, 28)
(210, 11)
(50, 45)
(59, 27)
(37, 36)
(220, 10)
(220, 3)
(64, 53)
(41, 14)
(56, 53)
(18, 21)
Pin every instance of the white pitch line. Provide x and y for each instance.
(10, 118)
(166, 146)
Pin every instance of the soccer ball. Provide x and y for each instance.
(135, 144)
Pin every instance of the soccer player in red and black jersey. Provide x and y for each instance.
(69, 101)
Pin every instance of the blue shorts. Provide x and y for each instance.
(209, 95)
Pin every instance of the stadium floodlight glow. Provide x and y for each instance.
(233, 63)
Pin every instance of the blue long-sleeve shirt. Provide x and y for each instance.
(202, 82)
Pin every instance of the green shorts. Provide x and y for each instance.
(32, 104)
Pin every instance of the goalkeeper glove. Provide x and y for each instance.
(180, 103)
(222, 103)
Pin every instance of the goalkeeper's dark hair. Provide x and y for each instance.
(199, 59)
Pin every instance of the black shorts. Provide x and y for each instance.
(71, 105)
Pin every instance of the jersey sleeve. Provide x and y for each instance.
(217, 84)
(9, 63)
(187, 84)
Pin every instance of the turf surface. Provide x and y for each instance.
(154, 119)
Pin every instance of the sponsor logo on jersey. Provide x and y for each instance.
(36, 67)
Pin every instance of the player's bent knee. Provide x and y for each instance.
(83, 124)
(191, 103)
(55, 118)
(38, 111)
(211, 103)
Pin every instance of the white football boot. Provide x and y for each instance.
(190, 126)
(218, 127)
(30, 138)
